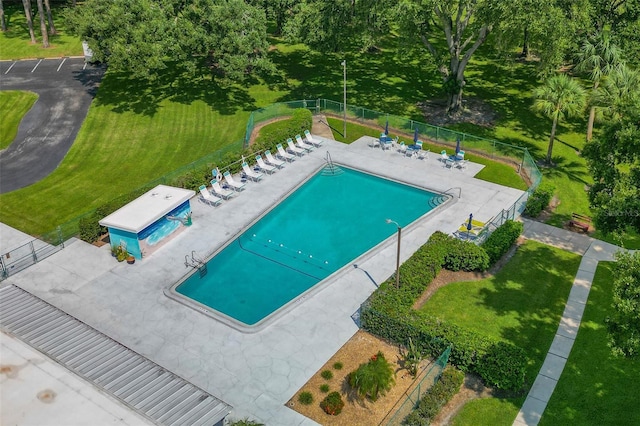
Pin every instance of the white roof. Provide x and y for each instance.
(146, 209)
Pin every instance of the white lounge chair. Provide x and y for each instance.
(294, 149)
(264, 166)
(423, 154)
(206, 197)
(402, 148)
(303, 145)
(219, 190)
(272, 160)
(236, 186)
(284, 154)
(311, 140)
(248, 171)
(462, 164)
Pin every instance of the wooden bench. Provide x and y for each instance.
(580, 221)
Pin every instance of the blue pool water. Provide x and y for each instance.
(321, 227)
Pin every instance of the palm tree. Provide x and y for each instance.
(560, 97)
(620, 89)
(599, 56)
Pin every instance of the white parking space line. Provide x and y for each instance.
(34, 68)
(84, 66)
(60, 66)
(9, 69)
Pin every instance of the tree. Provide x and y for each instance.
(598, 57)
(144, 36)
(560, 97)
(613, 159)
(624, 325)
(43, 25)
(27, 12)
(465, 25)
(3, 22)
(52, 27)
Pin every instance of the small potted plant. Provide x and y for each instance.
(120, 253)
(130, 259)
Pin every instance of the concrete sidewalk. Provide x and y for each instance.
(592, 251)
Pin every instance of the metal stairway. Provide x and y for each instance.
(145, 387)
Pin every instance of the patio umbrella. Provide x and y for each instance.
(386, 127)
(469, 224)
(415, 136)
(458, 148)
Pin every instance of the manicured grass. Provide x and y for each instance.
(596, 388)
(16, 44)
(14, 105)
(522, 303)
(488, 411)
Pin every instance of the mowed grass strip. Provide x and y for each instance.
(14, 105)
(596, 388)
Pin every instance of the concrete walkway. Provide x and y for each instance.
(592, 252)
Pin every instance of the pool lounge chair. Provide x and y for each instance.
(402, 148)
(284, 154)
(303, 145)
(311, 140)
(206, 197)
(248, 171)
(219, 190)
(272, 160)
(236, 186)
(294, 149)
(264, 166)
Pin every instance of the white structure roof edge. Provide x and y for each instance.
(147, 208)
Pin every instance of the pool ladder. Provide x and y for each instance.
(331, 169)
(196, 262)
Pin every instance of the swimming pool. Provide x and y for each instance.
(325, 224)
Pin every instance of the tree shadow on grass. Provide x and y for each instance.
(533, 287)
(124, 93)
(562, 166)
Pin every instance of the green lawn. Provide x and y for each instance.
(521, 304)
(596, 388)
(14, 105)
(16, 44)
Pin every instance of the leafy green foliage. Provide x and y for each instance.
(332, 404)
(539, 200)
(373, 378)
(324, 388)
(338, 365)
(245, 422)
(411, 357)
(501, 240)
(89, 228)
(624, 324)
(327, 374)
(464, 256)
(305, 398)
(436, 397)
(278, 132)
(503, 366)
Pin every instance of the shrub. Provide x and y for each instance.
(332, 404)
(503, 366)
(89, 228)
(465, 256)
(539, 200)
(501, 240)
(623, 326)
(373, 378)
(436, 397)
(244, 422)
(305, 398)
(278, 132)
(327, 375)
(324, 388)
(337, 365)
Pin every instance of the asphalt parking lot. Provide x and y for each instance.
(65, 88)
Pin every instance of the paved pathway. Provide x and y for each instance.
(592, 252)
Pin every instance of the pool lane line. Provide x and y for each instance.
(34, 68)
(60, 66)
(9, 69)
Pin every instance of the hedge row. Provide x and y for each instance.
(389, 314)
(539, 200)
(501, 240)
(435, 398)
(301, 119)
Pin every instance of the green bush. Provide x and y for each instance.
(501, 240)
(327, 375)
(539, 200)
(373, 378)
(462, 255)
(89, 228)
(388, 314)
(332, 404)
(305, 398)
(337, 365)
(436, 397)
(278, 132)
(324, 388)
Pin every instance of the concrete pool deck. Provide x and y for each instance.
(255, 373)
